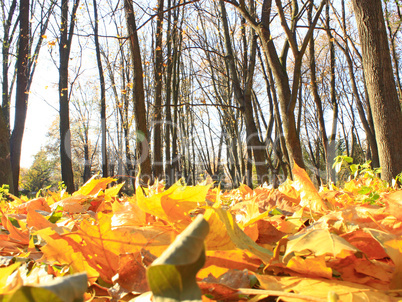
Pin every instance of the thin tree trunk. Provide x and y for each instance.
(66, 35)
(157, 118)
(330, 156)
(142, 146)
(5, 164)
(103, 94)
(21, 101)
(317, 100)
(243, 97)
(6, 53)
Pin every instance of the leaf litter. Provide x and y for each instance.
(293, 243)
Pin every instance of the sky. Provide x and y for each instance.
(42, 109)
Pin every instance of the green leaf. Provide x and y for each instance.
(171, 277)
(354, 168)
(348, 159)
(66, 289)
(56, 214)
(365, 190)
(275, 212)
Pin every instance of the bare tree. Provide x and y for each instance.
(102, 91)
(21, 98)
(143, 158)
(66, 36)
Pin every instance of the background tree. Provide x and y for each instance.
(22, 91)
(142, 142)
(67, 25)
(40, 174)
(5, 163)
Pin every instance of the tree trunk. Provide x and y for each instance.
(6, 53)
(21, 101)
(168, 112)
(139, 97)
(379, 78)
(87, 162)
(244, 99)
(6, 176)
(103, 94)
(157, 118)
(66, 35)
(318, 103)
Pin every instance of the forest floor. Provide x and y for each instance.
(294, 243)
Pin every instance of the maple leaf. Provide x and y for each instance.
(218, 262)
(226, 234)
(19, 234)
(175, 204)
(308, 193)
(310, 289)
(318, 242)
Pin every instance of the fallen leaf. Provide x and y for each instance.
(308, 193)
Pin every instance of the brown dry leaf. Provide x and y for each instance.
(219, 292)
(287, 192)
(131, 276)
(232, 278)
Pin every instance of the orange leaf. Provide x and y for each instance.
(17, 235)
(37, 204)
(308, 193)
(72, 204)
(58, 250)
(218, 262)
(36, 220)
(93, 186)
(310, 267)
(101, 245)
(131, 276)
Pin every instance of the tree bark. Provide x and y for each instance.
(157, 119)
(102, 92)
(244, 98)
(6, 53)
(21, 100)
(142, 146)
(66, 35)
(6, 177)
(380, 82)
